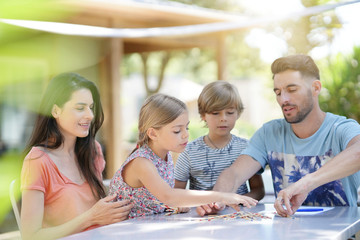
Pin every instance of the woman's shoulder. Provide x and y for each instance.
(37, 161)
(37, 153)
(98, 146)
(99, 160)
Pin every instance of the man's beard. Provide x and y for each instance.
(300, 116)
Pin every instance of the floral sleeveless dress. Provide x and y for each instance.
(144, 202)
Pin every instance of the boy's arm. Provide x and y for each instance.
(257, 190)
(180, 184)
(182, 170)
(232, 177)
(230, 180)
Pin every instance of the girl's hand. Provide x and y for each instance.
(212, 208)
(234, 199)
(105, 211)
(231, 199)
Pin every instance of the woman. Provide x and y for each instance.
(62, 191)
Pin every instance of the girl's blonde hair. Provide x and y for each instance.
(157, 111)
(217, 96)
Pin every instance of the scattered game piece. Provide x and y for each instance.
(236, 215)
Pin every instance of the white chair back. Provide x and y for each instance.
(14, 203)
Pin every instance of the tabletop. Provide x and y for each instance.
(263, 223)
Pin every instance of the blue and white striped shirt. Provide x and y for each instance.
(203, 164)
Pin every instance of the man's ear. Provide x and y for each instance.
(55, 111)
(316, 87)
(152, 134)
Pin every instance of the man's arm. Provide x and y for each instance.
(342, 165)
(230, 180)
(232, 177)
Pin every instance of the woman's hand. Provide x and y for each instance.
(105, 211)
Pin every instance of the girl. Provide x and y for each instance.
(205, 158)
(146, 177)
(61, 177)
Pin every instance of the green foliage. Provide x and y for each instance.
(199, 64)
(197, 128)
(134, 133)
(305, 33)
(196, 64)
(301, 34)
(244, 129)
(341, 85)
(30, 10)
(243, 61)
(39, 10)
(225, 5)
(10, 165)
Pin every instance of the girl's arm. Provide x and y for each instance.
(257, 189)
(143, 171)
(180, 184)
(32, 210)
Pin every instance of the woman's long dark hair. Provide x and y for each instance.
(46, 132)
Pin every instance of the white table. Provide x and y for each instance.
(337, 223)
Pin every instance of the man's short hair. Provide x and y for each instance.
(302, 63)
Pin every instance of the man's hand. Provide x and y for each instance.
(292, 197)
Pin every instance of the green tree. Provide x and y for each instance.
(341, 85)
(199, 64)
(225, 5)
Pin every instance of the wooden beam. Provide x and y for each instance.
(221, 57)
(111, 97)
(142, 48)
(159, 44)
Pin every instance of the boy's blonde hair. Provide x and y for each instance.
(217, 96)
(157, 111)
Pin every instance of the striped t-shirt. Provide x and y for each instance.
(203, 164)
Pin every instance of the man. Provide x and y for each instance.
(314, 156)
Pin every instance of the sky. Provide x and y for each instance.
(273, 47)
(350, 34)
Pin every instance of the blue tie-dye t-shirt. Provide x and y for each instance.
(290, 158)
